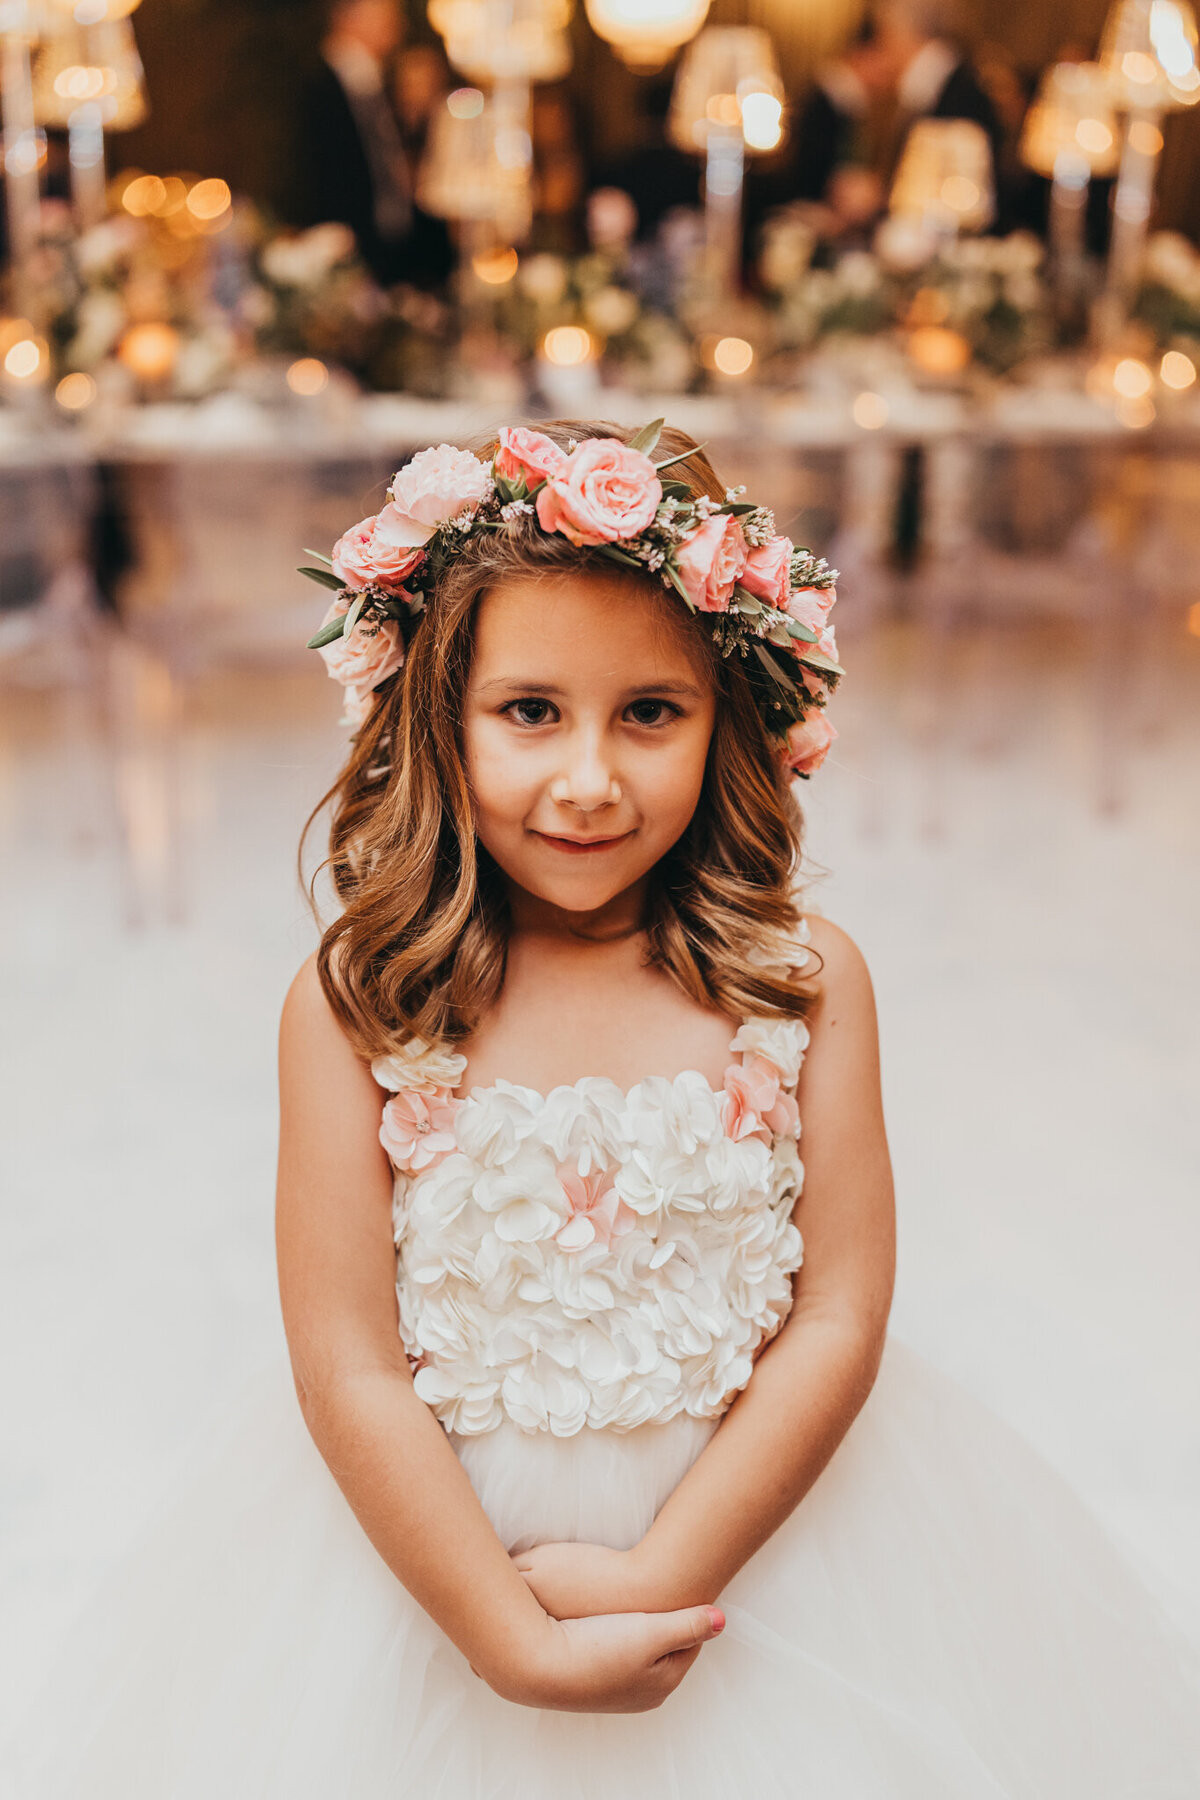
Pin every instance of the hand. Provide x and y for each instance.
(615, 1662)
(579, 1581)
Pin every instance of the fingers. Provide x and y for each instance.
(686, 1629)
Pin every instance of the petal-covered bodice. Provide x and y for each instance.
(593, 1256)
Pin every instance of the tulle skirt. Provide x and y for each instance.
(941, 1618)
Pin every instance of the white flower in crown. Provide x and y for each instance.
(419, 1065)
(782, 1041)
(439, 484)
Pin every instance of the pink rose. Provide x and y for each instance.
(810, 606)
(373, 651)
(439, 484)
(768, 572)
(604, 491)
(711, 561)
(418, 1129)
(385, 549)
(755, 1104)
(808, 743)
(597, 1215)
(528, 453)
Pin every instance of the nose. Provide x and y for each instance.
(587, 781)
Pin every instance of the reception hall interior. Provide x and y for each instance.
(924, 277)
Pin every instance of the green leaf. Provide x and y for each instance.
(673, 576)
(351, 618)
(677, 490)
(327, 634)
(773, 669)
(324, 578)
(621, 556)
(738, 507)
(813, 659)
(682, 456)
(505, 489)
(328, 560)
(647, 437)
(798, 630)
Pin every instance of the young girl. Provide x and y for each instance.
(606, 1481)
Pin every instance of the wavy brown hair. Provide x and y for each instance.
(419, 947)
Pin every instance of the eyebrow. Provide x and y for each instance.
(549, 690)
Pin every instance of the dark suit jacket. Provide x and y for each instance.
(334, 181)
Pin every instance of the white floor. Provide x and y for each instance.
(1037, 975)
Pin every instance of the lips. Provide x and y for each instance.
(581, 846)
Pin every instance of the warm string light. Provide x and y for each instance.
(568, 346)
(308, 376)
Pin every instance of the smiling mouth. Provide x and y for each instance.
(582, 846)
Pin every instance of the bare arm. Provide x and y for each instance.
(385, 1448)
(812, 1379)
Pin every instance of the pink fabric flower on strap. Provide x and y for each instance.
(711, 562)
(768, 572)
(418, 1129)
(528, 453)
(603, 492)
(598, 1214)
(755, 1105)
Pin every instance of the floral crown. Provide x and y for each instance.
(767, 601)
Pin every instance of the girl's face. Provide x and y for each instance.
(586, 729)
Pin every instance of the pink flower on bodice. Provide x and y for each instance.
(755, 1105)
(598, 1214)
(418, 1129)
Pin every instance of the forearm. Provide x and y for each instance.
(392, 1460)
(777, 1436)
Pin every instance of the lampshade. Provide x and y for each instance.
(1148, 54)
(1070, 130)
(96, 66)
(645, 33)
(89, 12)
(505, 40)
(728, 77)
(945, 176)
(467, 175)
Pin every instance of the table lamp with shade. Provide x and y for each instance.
(944, 179)
(88, 79)
(1148, 53)
(1070, 136)
(646, 33)
(727, 101)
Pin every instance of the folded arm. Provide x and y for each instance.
(387, 1451)
(812, 1378)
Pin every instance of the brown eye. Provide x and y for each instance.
(529, 712)
(653, 712)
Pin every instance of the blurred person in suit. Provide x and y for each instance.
(933, 76)
(352, 164)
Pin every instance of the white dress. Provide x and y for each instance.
(584, 1278)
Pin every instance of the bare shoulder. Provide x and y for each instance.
(309, 1029)
(843, 981)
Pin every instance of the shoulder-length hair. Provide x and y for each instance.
(419, 947)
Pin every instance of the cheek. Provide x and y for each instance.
(502, 780)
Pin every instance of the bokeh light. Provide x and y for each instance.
(732, 355)
(870, 411)
(76, 391)
(567, 346)
(209, 199)
(1132, 380)
(308, 376)
(150, 350)
(464, 103)
(1177, 371)
(26, 359)
(762, 121)
(495, 267)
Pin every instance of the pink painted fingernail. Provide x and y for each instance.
(717, 1617)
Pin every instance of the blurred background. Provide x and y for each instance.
(924, 277)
